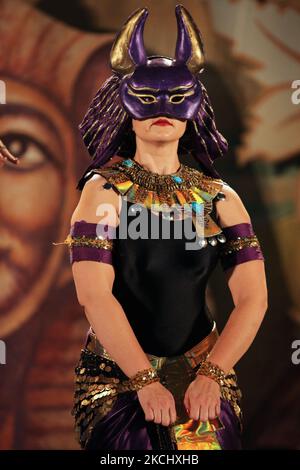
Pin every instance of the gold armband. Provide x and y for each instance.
(87, 241)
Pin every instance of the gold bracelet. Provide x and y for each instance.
(140, 379)
(213, 371)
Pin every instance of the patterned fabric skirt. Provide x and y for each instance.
(108, 417)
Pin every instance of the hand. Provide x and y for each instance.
(158, 403)
(202, 398)
(5, 155)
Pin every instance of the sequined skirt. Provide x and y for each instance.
(108, 417)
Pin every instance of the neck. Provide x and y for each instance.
(157, 157)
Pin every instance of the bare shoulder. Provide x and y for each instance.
(231, 210)
(97, 202)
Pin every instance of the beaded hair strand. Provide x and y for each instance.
(103, 124)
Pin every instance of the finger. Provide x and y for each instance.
(194, 410)
(212, 412)
(186, 403)
(218, 408)
(157, 415)
(6, 153)
(6, 156)
(149, 414)
(9, 156)
(173, 413)
(165, 415)
(203, 413)
(13, 159)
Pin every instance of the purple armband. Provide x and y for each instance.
(91, 242)
(241, 245)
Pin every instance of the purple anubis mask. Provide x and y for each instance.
(159, 86)
(144, 87)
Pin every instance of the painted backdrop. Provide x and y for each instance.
(52, 61)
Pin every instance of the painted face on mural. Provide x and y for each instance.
(31, 196)
(38, 127)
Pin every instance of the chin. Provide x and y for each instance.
(165, 134)
(160, 139)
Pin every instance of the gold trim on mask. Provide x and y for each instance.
(143, 88)
(181, 87)
(140, 96)
(120, 59)
(196, 61)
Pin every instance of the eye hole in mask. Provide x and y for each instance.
(176, 99)
(144, 98)
(150, 99)
(147, 99)
(179, 97)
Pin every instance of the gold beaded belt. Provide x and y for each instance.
(193, 356)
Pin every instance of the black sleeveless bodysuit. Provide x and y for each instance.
(161, 285)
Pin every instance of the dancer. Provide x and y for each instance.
(154, 372)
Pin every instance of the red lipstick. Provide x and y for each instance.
(162, 122)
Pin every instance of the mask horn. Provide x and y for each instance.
(128, 49)
(189, 45)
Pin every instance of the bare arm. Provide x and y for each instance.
(94, 281)
(247, 284)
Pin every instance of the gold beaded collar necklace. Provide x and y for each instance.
(186, 186)
(184, 178)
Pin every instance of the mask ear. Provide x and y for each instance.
(128, 49)
(189, 45)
